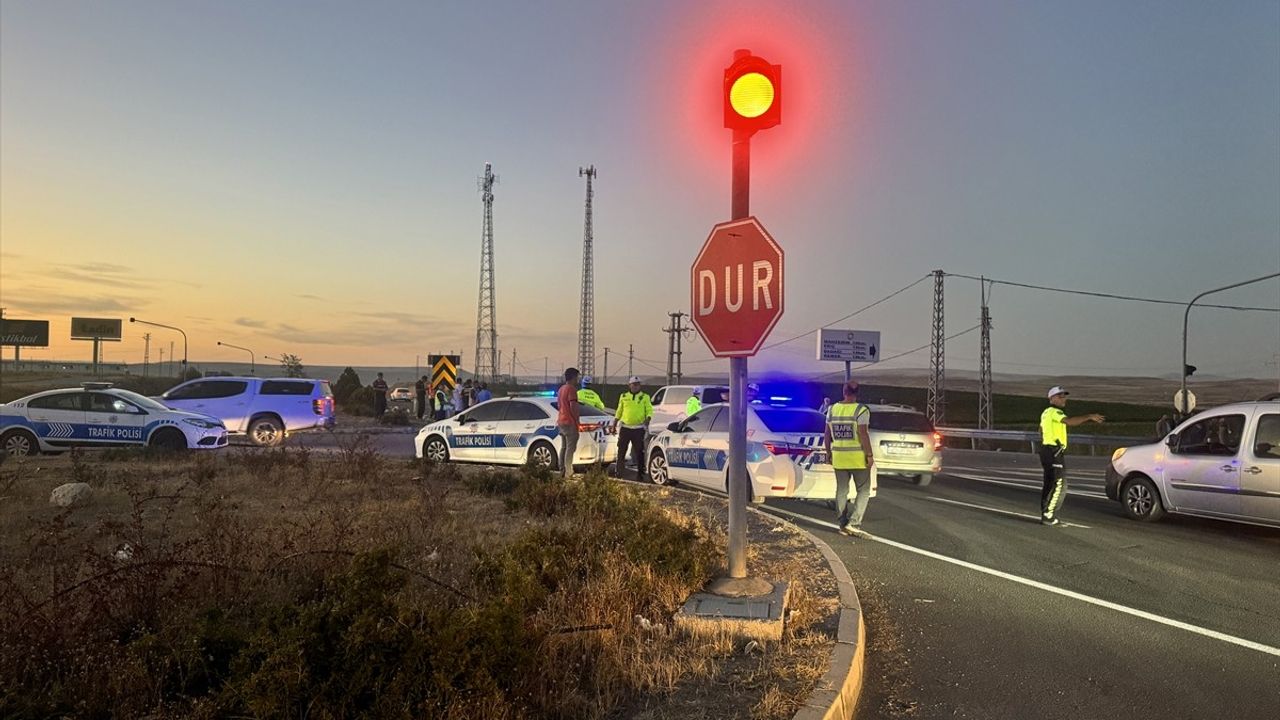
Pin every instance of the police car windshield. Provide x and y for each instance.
(792, 420)
(140, 400)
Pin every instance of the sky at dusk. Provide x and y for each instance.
(300, 177)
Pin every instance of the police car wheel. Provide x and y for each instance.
(1141, 500)
(544, 455)
(266, 432)
(435, 450)
(19, 443)
(168, 439)
(659, 473)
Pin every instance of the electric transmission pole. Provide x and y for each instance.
(986, 411)
(937, 402)
(606, 367)
(631, 361)
(146, 355)
(675, 347)
(587, 313)
(486, 316)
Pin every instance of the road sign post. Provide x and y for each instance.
(736, 290)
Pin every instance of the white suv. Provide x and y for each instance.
(264, 409)
(905, 442)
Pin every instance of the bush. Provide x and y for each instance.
(347, 383)
(359, 402)
(394, 416)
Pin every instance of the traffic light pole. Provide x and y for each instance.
(739, 480)
(1185, 317)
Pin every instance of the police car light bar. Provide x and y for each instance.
(96, 385)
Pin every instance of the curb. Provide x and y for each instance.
(837, 693)
(375, 431)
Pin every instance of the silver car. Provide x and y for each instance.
(1222, 463)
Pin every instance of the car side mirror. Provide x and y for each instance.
(676, 427)
(1172, 441)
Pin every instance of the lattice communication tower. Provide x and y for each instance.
(486, 316)
(587, 313)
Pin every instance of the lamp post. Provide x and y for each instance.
(168, 327)
(1187, 314)
(252, 363)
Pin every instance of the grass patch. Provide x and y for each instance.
(278, 583)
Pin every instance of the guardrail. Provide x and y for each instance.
(1033, 438)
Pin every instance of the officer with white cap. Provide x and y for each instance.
(1053, 449)
(635, 410)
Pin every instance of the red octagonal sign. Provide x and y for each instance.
(736, 288)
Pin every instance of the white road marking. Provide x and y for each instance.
(1030, 486)
(935, 498)
(1196, 629)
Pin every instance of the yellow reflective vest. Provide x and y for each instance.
(847, 452)
(692, 405)
(1053, 427)
(587, 396)
(634, 409)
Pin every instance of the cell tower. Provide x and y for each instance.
(587, 313)
(486, 320)
(937, 402)
(986, 411)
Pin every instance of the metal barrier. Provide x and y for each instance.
(1032, 438)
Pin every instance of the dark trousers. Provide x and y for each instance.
(1055, 482)
(422, 405)
(379, 404)
(631, 439)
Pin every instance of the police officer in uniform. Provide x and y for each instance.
(635, 410)
(587, 396)
(848, 446)
(1053, 449)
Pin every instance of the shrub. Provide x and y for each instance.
(359, 402)
(347, 383)
(394, 416)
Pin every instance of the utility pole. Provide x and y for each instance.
(631, 361)
(161, 370)
(486, 320)
(675, 347)
(171, 355)
(587, 311)
(146, 354)
(606, 367)
(937, 401)
(513, 367)
(986, 411)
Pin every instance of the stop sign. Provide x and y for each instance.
(736, 288)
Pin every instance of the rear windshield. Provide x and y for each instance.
(900, 422)
(325, 390)
(792, 420)
(677, 396)
(287, 387)
(584, 410)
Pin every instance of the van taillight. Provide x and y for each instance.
(937, 441)
(321, 406)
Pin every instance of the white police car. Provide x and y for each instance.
(97, 415)
(785, 455)
(514, 430)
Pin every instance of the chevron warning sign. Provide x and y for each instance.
(444, 370)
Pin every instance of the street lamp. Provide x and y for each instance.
(168, 327)
(251, 355)
(1186, 315)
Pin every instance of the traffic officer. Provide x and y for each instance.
(587, 396)
(693, 404)
(849, 448)
(635, 410)
(1053, 449)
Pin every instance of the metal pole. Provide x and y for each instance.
(848, 371)
(252, 357)
(739, 480)
(1182, 371)
(96, 343)
(606, 367)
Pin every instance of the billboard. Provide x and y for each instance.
(95, 328)
(24, 333)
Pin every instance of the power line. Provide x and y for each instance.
(926, 346)
(1110, 296)
(855, 312)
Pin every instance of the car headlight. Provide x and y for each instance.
(206, 424)
(1119, 453)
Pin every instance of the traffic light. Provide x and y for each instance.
(752, 94)
(1188, 370)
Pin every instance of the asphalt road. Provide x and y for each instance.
(975, 610)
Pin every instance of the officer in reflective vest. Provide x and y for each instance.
(849, 448)
(693, 404)
(587, 396)
(1053, 449)
(635, 410)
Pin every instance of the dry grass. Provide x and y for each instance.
(207, 585)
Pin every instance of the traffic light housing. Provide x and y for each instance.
(752, 94)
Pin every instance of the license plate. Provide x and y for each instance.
(899, 444)
(818, 458)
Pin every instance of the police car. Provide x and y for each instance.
(514, 430)
(785, 455)
(97, 415)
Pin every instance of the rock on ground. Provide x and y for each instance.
(70, 494)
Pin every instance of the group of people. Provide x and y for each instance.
(634, 412)
(432, 402)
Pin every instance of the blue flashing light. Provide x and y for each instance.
(547, 393)
(779, 398)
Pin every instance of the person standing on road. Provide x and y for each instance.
(826, 405)
(1053, 449)
(635, 410)
(420, 388)
(567, 421)
(849, 449)
(379, 396)
(693, 404)
(457, 398)
(482, 393)
(1164, 426)
(587, 396)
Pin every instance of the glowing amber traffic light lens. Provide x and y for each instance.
(751, 95)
